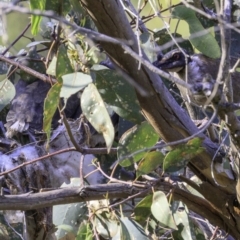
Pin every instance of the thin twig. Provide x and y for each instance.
(181, 141)
(16, 40)
(114, 180)
(69, 131)
(129, 198)
(37, 159)
(12, 228)
(26, 69)
(81, 169)
(91, 34)
(83, 151)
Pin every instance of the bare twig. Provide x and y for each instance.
(83, 151)
(38, 159)
(16, 40)
(184, 140)
(12, 228)
(27, 69)
(91, 34)
(81, 169)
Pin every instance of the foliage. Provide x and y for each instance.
(73, 64)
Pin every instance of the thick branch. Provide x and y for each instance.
(67, 195)
(168, 119)
(31, 201)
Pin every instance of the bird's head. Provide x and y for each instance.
(173, 61)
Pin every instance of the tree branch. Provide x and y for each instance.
(168, 119)
(43, 199)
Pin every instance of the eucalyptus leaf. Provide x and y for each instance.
(63, 65)
(65, 227)
(117, 93)
(50, 106)
(137, 138)
(130, 230)
(95, 111)
(73, 83)
(67, 217)
(179, 157)
(143, 209)
(36, 20)
(180, 214)
(106, 225)
(161, 211)
(51, 70)
(124, 232)
(150, 162)
(84, 232)
(206, 43)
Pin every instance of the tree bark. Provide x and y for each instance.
(166, 116)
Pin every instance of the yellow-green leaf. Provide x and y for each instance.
(150, 162)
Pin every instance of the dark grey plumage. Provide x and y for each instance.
(26, 110)
(199, 68)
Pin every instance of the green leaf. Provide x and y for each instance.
(124, 232)
(68, 216)
(106, 225)
(36, 20)
(130, 230)
(95, 111)
(117, 93)
(161, 211)
(7, 93)
(50, 106)
(73, 83)
(63, 65)
(179, 157)
(66, 227)
(137, 138)
(150, 162)
(206, 43)
(180, 214)
(143, 209)
(84, 232)
(52, 67)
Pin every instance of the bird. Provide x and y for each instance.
(26, 109)
(201, 71)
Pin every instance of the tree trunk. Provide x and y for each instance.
(166, 116)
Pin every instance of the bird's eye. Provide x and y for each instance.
(176, 56)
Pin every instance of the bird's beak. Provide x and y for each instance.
(162, 64)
